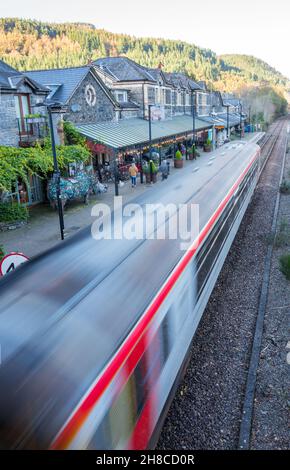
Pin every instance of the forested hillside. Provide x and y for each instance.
(29, 44)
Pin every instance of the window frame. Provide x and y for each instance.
(24, 128)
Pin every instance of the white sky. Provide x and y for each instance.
(256, 27)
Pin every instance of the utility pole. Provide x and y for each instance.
(240, 119)
(193, 117)
(56, 173)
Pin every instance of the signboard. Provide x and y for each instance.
(11, 261)
(157, 113)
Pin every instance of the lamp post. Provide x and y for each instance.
(240, 120)
(150, 131)
(56, 172)
(228, 122)
(193, 117)
(116, 177)
(250, 109)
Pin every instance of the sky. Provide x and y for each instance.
(256, 27)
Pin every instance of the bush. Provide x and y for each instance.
(12, 213)
(18, 163)
(2, 253)
(71, 135)
(146, 168)
(285, 265)
(178, 155)
(285, 187)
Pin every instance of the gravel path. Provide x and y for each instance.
(206, 411)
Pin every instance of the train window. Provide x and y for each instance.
(165, 337)
(142, 382)
(119, 422)
(122, 415)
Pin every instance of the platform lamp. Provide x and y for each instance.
(54, 105)
(241, 108)
(228, 120)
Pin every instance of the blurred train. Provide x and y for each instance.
(95, 337)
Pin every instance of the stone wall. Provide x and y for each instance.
(9, 133)
(79, 111)
(129, 114)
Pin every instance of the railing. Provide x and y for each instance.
(32, 129)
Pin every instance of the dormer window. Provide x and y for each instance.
(121, 96)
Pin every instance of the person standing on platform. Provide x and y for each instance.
(133, 171)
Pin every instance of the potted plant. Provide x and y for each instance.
(150, 171)
(34, 118)
(178, 160)
(207, 146)
(192, 153)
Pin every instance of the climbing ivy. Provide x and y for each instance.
(18, 163)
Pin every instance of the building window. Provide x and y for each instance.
(121, 96)
(157, 95)
(168, 99)
(90, 95)
(22, 107)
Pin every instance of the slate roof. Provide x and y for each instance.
(10, 79)
(6, 68)
(128, 105)
(123, 69)
(179, 79)
(62, 82)
(231, 101)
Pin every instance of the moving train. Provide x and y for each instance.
(95, 335)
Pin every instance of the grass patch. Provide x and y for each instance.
(282, 236)
(13, 212)
(2, 253)
(284, 262)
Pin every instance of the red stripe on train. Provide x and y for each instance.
(74, 423)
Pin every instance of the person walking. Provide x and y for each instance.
(164, 170)
(133, 171)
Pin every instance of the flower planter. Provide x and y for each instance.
(178, 163)
(148, 178)
(207, 148)
(35, 120)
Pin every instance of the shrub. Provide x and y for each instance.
(285, 265)
(285, 187)
(146, 168)
(18, 163)
(12, 212)
(71, 135)
(2, 253)
(178, 155)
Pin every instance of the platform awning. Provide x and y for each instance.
(134, 132)
(234, 119)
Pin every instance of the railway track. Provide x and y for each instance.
(206, 412)
(248, 407)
